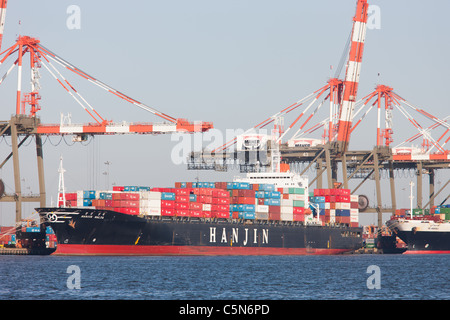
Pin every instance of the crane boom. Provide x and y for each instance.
(3, 4)
(352, 75)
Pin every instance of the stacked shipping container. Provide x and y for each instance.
(237, 200)
(336, 206)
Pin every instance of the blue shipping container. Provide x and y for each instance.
(49, 230)
(319, 199)
(272, 202)
(272, 194)
(89, 194)
(87, 202)
(267, 187)
(249, 207)
(167, 196)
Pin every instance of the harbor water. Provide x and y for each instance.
(347, 277)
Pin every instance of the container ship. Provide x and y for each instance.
(423, 231)
(27, 238)
(262, 214)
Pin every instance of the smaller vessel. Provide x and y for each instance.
(422, 235)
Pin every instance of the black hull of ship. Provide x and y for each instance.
(103, 232)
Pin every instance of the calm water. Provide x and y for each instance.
(226, 278)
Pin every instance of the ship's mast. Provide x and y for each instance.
(61, 187)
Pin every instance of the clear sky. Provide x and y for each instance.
(232, 62)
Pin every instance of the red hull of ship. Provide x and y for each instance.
(427, 252)
(130, 250)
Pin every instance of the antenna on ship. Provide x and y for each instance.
(411, 197)
(61, 188)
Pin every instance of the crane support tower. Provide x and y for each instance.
(25, 124)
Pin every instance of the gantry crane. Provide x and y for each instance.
(330, 152)
(25, 122)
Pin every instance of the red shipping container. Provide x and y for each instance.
(132, 204)
(181, 213)
(207, 214)
(220, 200)
(298, 217)
(71, 196)
(218, 193)
(131, 211)
(196, 213)
(108, 203)
(167, 212)
(206, 191)
(246, 193)
(235, 193)
(274, 209)
(255, 187)
(130, 196)
(181, 192)
(118, 188)
(342, 198)
(116, 203)
(204, 199)
(274, 216)
(354, 205)
(235, 215)
(299, 210)
(182, 206)
(167, 204)
(116, 196)
(246, 200)
(260, 201)
(345, 192)
(222, 214)
(182, 198)
(219, 207)
(195, 206)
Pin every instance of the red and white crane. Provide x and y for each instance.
(351, 80)
(40, 57)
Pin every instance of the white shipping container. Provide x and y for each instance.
(345, 205)
(262, 208)
(154, 203)
(287, 210)
(332, 212)
(80, 202)
(144, 195)
(154, 195)
(298, 197)
(286, 216)
(354, 198)
(154, 211)
(261, 216)
(287, 202)
(327, 205)
(354, 219)
(354, 212)
(206, 207)
(338, 205)
(80, 194)
(332, 219)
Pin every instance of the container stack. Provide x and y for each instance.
(237, 200)
(50, 238)
(336, 206)
(7, 236)
(440, 213)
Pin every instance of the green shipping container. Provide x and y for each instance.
(299, 203)
(445, 210)
(296, 190)
(417, 212)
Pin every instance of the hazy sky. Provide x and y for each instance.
(230, 62)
